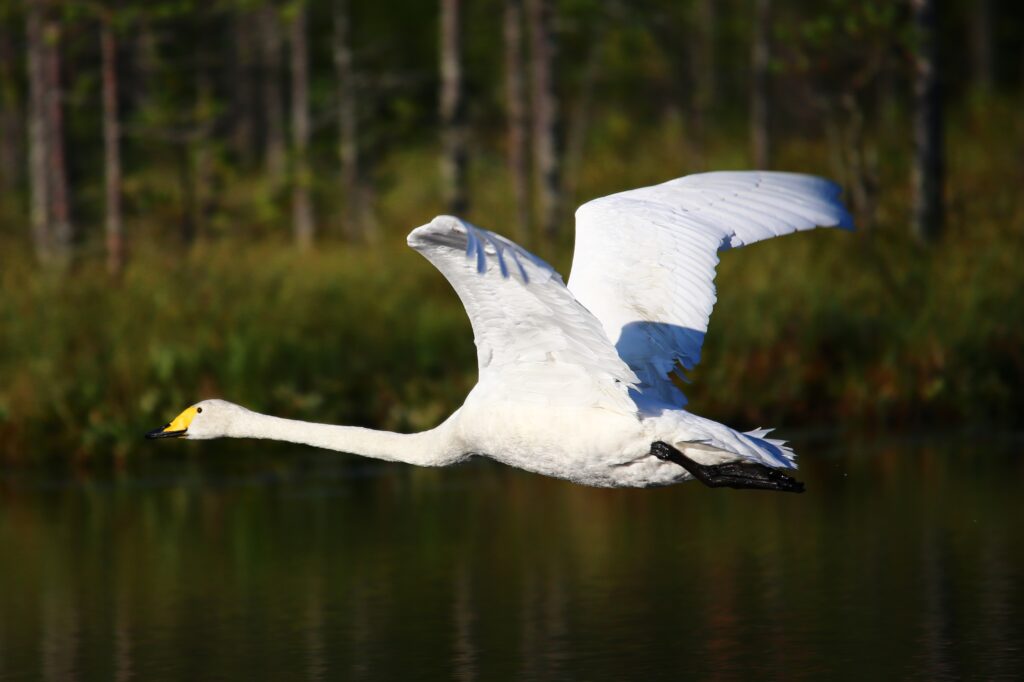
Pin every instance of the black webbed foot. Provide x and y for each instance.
(740, 475)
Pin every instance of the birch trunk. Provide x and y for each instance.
(929, 162)
(453, 123)
(348, 122)
(270, 94)
(546, 152)
(579, 117)
(302, 205)
(760, 133)
(62, 235)
(243, 87)
(984, 47)
(38, 141)
(515, 105)
(201, 152)
(145, 49)
(111, 151)
(703, 67)
(10, 117)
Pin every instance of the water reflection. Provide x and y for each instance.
(900, 561)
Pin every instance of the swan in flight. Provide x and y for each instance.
(575, 381)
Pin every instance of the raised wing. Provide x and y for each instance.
(645, 259)
(532, 336)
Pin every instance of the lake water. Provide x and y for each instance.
(902, 560)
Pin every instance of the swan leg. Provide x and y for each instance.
(740, 475)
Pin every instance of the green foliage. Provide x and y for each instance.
(863, 328)
(335, 336)
(811, 329)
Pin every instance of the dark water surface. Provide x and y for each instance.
(902, 560)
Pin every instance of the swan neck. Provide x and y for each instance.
(434, 447)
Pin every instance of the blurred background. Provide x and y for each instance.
(210, 199)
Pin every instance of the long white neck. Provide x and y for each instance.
(436, 447)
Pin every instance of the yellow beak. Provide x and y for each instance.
(176, 428)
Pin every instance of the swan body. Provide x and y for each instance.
(575, 381)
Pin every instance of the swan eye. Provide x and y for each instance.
(199, 410)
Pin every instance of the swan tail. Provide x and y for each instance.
(775, 452)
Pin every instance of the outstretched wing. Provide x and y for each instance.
(645, 259)
(532, 336)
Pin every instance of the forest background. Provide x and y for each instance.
(204, 199)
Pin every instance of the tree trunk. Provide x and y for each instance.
(515, 103)
(111, 150)
(860, 156)
(10, 117)
(453, 115)
(270, 46)
(146, 56)
(760, 134)
(348, 121)
(187, 187)
(703, 67)
(984, 47)
(204, 192)
(546, 142)
(38, 148)
(928, 135)
(579, 117)
(243, 87)
(60, 205)
(302, 206)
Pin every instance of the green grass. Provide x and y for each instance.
(821, 328)
(344, 335)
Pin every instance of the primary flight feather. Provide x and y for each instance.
(575, 381)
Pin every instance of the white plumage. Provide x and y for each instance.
(645, 259)
(574, 381)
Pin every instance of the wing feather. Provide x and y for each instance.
(534, 340)
(645, 259)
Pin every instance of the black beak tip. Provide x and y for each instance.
(160, 433)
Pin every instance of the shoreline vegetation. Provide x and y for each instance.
(825, 328)
(211, 200)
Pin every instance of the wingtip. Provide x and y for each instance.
(420, 235)
(415, 238)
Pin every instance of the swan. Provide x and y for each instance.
(576, 381)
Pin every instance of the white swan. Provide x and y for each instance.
(574, 381)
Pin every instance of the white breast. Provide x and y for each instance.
(593, 446)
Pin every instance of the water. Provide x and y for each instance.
(902, 560)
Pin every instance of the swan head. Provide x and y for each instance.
(206, 419)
